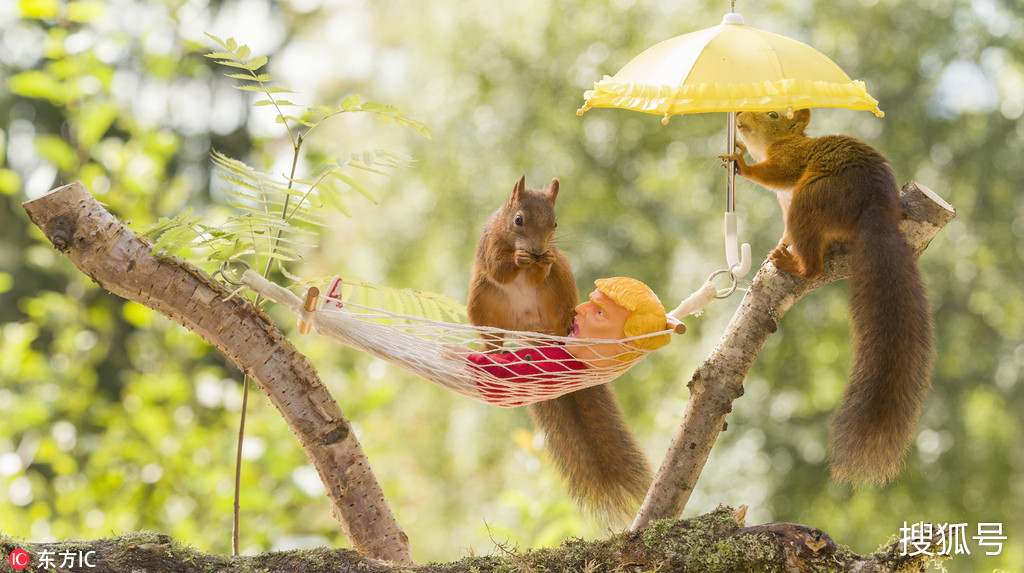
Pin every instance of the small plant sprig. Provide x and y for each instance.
(272, 212)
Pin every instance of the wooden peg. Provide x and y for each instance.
(312, 295)
(675, 325)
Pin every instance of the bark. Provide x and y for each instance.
(103, 248)
(719, 380)
(716, 542)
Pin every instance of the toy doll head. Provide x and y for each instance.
(646, 313)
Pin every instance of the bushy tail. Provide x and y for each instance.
(893, 349)
(601, 463)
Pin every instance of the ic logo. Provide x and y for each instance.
(19, 559)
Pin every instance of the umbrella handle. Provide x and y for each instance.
(738, 259)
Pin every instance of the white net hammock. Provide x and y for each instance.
(530, 367)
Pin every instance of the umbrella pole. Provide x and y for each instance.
(738, 259)
(730, 146)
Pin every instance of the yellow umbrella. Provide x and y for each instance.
(729, 68)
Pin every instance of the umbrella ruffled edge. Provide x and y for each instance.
(764, 96)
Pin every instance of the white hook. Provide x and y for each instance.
(739, 264)
(737, 259)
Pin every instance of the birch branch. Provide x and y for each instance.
(719, 380)
(103, 248)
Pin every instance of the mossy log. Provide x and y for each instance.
(711, 543)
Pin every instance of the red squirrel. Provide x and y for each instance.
(522, 281)
(838, 188)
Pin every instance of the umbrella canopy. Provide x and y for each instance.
(730, 67)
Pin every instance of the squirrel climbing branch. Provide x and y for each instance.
(103, 248)
(719, 380)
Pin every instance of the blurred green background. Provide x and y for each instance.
(116, 419)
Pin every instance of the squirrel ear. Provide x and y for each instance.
(519, 188)
(553, 189)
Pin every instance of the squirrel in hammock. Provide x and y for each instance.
(522, 281)
(838, 188)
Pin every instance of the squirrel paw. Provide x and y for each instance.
(526, 259)
(782, 258)
(523, 259)
(735, 156)
(785, 260)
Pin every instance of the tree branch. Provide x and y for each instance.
(719, 380)
(103, 248)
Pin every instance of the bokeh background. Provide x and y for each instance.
(115, 419)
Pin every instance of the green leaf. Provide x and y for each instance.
(379, 107)
(37, 85)
(243, 206)
(240, 182)
(309, 218)
(264, 89)
(257, 63)
(322, 170)
(222, 43)
(96, 121)
(42, 9)
(299, 120)
(356, 185)
(163, 223)
(241, 176)
(389, 113)
(331, 197)
(220, 55)
(370, 160)
(233, 64)
(351, 103)
(57, 151)
(229, 251)
(175, 239)
(324, 109)
(85, 11)
(10, 181)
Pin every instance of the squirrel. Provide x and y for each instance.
(838, 188)
(522, 281)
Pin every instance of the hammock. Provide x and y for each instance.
(530, 367)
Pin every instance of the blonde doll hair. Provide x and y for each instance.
(647, 314)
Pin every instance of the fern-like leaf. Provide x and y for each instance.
(273, 214)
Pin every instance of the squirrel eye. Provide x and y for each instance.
(773, 115)
(519, 220)
(556, 224)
